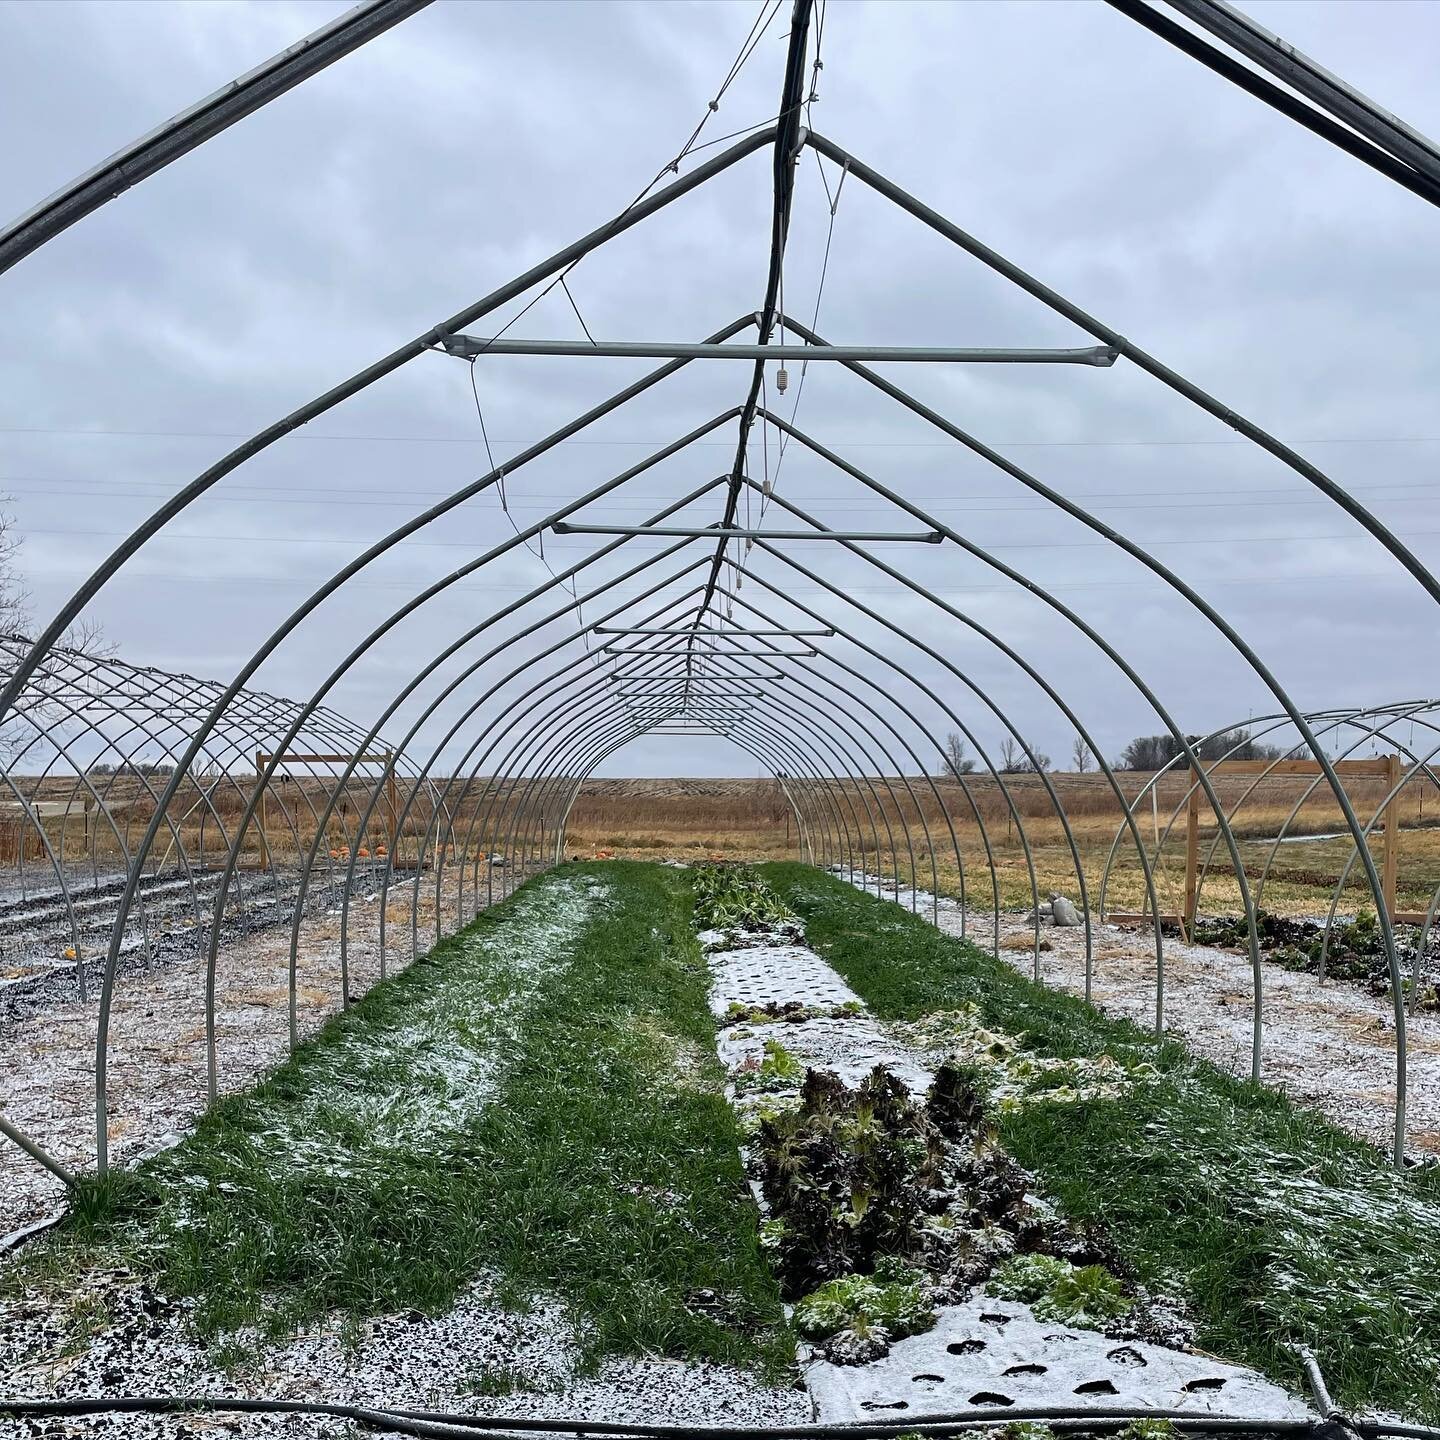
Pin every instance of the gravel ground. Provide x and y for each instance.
(157, 1072)
(407, 1361)
(414, 1361)
(1330, 1046)
(111, 1333)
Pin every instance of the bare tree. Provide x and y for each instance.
(1154, 752)
(1081, 756)
(17, 622)
(957, 755)
(14, 601)
(1012, 758)
(1035, 762)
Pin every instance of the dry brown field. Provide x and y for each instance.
(683, 818)
(687, 817)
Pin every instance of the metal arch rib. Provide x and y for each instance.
(201, 122)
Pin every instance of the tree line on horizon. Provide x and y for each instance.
(1144, 752)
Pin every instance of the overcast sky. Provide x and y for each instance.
(420, 173)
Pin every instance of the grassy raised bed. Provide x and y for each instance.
(536, 1101)
(1274, 1224)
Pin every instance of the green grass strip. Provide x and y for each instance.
(537, 1101)
(1272, 1223)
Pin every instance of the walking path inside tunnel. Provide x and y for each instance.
(336, 1096)
(510, 1182)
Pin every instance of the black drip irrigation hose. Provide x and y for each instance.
(441, 1425)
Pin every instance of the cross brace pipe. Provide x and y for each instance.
(716, 532)
(471, 347)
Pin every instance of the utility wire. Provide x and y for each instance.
(269, 496)
(499, 472)
(768, 10)
(757, 31)
(772, 481)
(79, 432)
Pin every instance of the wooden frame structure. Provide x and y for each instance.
(263, 761)
(1389, 768)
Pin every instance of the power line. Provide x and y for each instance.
(462, 587)
(978, 504)
(1288, 538)
(80, 432)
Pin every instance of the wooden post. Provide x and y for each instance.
(261, 761)
(1390, 855)
(1192, 859)
(391, 800)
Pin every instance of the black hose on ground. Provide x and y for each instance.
(442, 1425)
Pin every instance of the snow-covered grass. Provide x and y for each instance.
(533, 1103)
(1275, 1225)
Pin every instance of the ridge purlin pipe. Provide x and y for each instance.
(845, 634)
(330, 587)
(576, 712)
(361, 380)
(961, 725)
(801, 765)
(555, 646)
(604, 697)
(537, 724)
(671, 449)
(751, 743)
(802, 758)
(535, 729)
(859, 745)
(757, 747)
(587, 746)
(879, 770)
(788, 136)
(499, 615)
(753, 746)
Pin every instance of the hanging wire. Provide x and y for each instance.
(768, 11)
(772, 481)
(539, 551)
(576, 309)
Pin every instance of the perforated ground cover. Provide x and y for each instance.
(787, 1012)
(1275, 1225)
